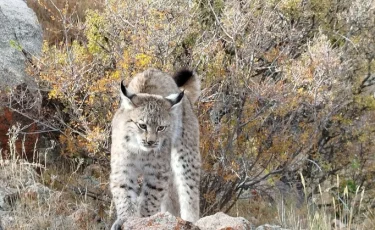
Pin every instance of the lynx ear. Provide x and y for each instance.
(175, 98)
(126, 97)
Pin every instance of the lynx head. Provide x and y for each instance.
(149, 118)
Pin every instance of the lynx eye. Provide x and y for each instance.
(142, 126)
(161, 128)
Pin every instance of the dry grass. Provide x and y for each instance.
(257, 209)
(62, 195)
(346, 211)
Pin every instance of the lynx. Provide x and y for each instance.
(155, 159)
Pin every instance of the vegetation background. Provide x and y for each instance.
(286, 113)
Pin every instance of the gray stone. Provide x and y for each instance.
(223, 221)
(7, 197)
(159, 221)
(6, 219)
(18, 179)
(37, 190)
(19, 30)
(166, 221)
(270, 227)
(14, 176)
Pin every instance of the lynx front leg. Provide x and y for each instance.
(123, 183)
(186, 167)
(154, 188)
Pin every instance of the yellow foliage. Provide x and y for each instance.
(125, 61)
(142, 60)
(95, 21)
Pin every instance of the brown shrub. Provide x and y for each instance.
(54, 14)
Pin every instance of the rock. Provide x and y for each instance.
(270, 227)
(18, 179)
(21, 34)
(223, 221)
(14, 176)
(82, 216)
(24, 145)
(37, 191)
(6, 220)
(159, 221)
(7, 197)
(17, 174)
(19, 30)
(166, 221)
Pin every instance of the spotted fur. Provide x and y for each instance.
(155, 136)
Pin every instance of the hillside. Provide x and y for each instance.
(286, 113)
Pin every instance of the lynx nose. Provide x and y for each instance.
(150, 143)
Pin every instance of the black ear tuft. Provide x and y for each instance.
(123, 89)
(179, 98)
(174, 99)
(125, 92)
(182, 76)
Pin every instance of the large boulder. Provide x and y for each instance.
(20, 37)
(14, 176)
(19, 31)
(221, 221)
(159, 221)
(16, 180)
(270, 227)
(164, 221)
